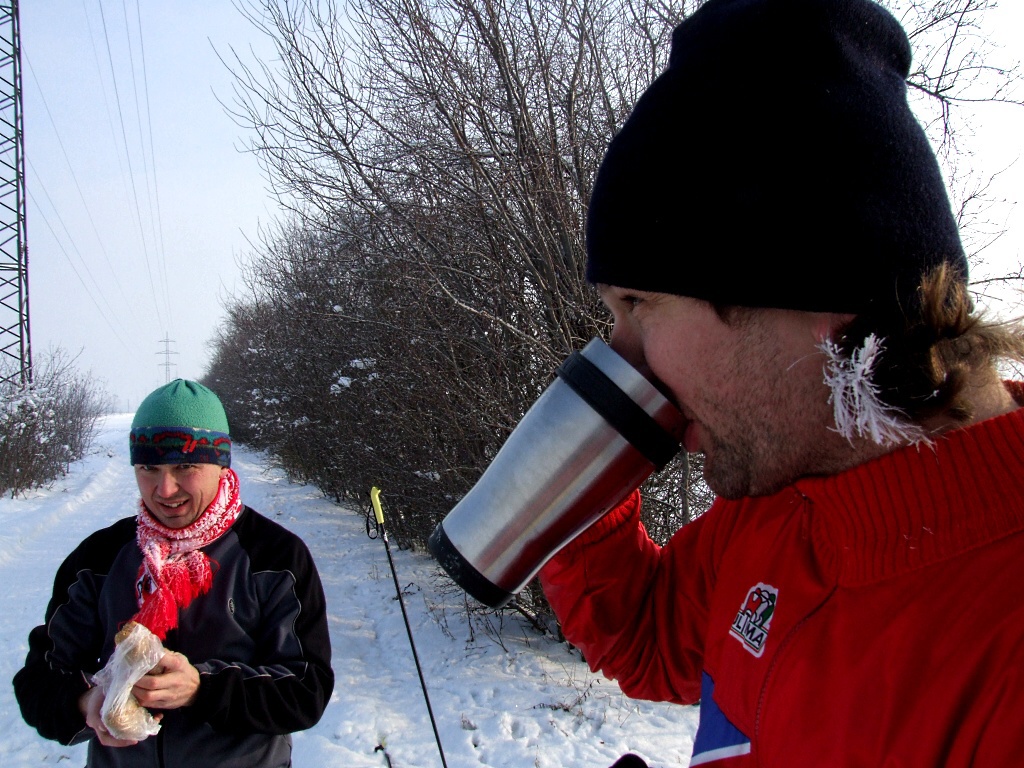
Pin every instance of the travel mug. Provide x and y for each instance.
(592, 437)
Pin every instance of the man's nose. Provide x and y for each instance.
(167, 486)
(627, 343)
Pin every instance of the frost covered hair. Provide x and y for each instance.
(858, 410)
(915, 363)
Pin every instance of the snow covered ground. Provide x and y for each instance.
(514, 700)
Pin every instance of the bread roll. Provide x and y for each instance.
(136, 651)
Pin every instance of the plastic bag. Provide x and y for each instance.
(138, 650)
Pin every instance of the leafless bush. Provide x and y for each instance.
(424, 294)
(430, 279)
(47, 424)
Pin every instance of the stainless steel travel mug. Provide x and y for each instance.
(593, 436)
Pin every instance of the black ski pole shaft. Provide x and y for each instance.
(379, 515)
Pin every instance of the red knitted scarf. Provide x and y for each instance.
(174, 570)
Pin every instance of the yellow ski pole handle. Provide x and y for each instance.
(375, 500)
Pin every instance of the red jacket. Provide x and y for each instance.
(873, 618)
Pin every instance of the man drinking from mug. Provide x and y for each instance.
(772, 235)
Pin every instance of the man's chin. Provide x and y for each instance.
(741, 486)
(727, 482)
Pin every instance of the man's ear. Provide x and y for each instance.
(827, 325)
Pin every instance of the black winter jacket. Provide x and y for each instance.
(259, 639)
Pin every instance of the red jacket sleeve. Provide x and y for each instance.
(637, 611)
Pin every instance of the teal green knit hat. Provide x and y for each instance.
(180, 423)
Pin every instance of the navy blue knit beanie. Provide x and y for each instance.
(776, 163)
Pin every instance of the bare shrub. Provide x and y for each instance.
(429, 280)
(47, 424)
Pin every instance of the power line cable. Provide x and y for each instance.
(103, 89)
(146, 168)
(112, 326)
(152, 162)
(85, 265)
(114, 137)
(78, 186)
(131, 172)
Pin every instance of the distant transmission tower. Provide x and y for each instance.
(167, 364)
(15, 347)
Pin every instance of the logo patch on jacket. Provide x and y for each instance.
(754, 618)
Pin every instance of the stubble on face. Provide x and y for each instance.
(750, 382)
(774, 427)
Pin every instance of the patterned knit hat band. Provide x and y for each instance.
(181, 423)
(179, 445)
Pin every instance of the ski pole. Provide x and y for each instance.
(379, 516)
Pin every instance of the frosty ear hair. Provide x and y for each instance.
(856, 406)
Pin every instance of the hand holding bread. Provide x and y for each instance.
(137, 651)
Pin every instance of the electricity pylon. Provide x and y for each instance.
(15, 346)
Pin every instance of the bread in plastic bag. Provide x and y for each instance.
(136, 652)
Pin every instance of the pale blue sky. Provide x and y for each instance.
(998, 144)
(114, 266)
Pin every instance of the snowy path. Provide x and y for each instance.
(531, 703)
